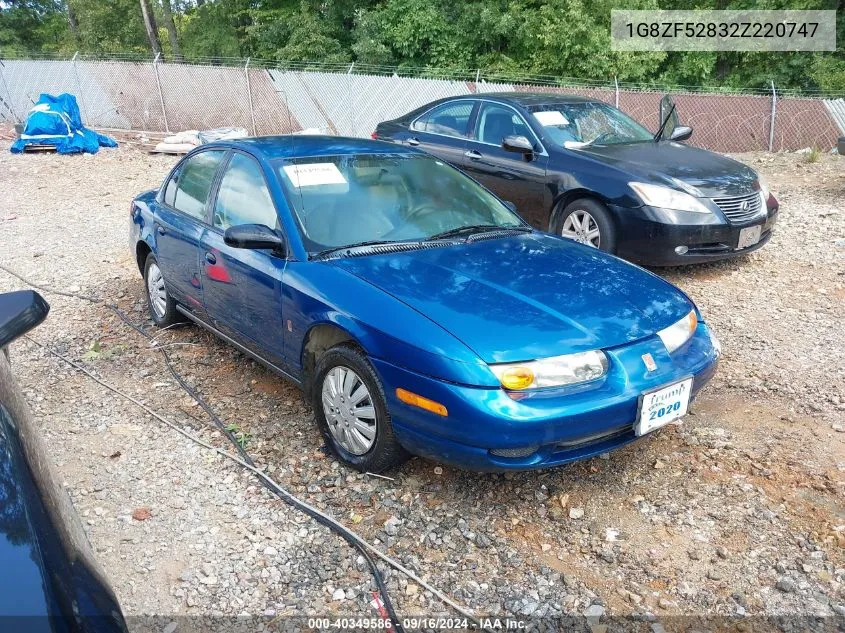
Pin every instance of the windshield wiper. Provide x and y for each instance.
(475, 228)
(337, 249)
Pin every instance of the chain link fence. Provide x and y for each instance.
(276, 98)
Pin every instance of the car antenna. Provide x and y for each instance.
(662, 127)
(293, 147)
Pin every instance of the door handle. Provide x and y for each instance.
(413, 141)
(472, 154)
(210, 258)
(160, 230)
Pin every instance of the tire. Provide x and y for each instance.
(364, 453)
(163, 312)
(598, 217)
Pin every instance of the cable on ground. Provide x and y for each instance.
(243, 459)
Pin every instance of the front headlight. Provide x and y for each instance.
(668, 198)
(679, 332)
(555, 371)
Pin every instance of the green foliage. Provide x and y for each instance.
(241, 436)
(27, 25)
(210, 30)
(310, 38)
(561, 38)
(109, 26)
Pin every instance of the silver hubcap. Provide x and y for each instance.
(582, 227)
(156, 290)
(349, 410)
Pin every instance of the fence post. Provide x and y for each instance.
(349, 99)
(160, 95)
(249, 94)
(83, 107)
(616, 84)
(772, 121)
(8, 94)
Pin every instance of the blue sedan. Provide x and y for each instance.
(418, 312)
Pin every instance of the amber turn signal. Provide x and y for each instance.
(423, 403)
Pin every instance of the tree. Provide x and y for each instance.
(150, 25)
(170, 25)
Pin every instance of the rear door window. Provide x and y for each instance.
(449, 119)
(194, 183)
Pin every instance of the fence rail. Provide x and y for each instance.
(349, 100)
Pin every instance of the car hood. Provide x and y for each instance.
(712, 174)
(528, 296)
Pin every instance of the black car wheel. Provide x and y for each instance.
(588, 222)
(351, 411)
(162, 306)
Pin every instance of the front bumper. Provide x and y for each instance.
(649, 242)
(548, 427)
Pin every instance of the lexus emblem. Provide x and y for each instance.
(745, 205)
(648, 360)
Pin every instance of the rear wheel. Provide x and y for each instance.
(162, 306)
(588, 222)
(351, 411)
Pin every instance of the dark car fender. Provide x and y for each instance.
(59, 580)
(586, 177)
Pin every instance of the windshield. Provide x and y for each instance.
(593, 123)
(347, 200)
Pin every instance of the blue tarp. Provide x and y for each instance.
(56, 121)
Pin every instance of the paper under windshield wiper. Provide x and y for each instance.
(475, 228)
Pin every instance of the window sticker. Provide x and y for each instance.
(551, 117)
(314, 174)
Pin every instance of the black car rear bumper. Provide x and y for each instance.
(643, 240)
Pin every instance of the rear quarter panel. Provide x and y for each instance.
(141, 224)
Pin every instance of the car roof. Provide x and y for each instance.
(526, 99)
(302, 145)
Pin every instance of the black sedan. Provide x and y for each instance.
(580, 168)
(49, 581)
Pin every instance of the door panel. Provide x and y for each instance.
(177, 240)
(509, 175)
(180, 220)
(242, 287)
(242, 290)
(442, 131)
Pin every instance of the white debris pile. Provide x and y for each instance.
(187, 140)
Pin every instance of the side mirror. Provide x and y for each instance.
(681, 133)
(518, 144)
(253, 236)
(668, 117)
(20, 312)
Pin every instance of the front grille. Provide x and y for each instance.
(740, 208)
(514, 452)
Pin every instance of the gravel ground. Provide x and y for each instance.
(737, 511)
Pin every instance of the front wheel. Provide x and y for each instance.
(351, 411)
(588, 222)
